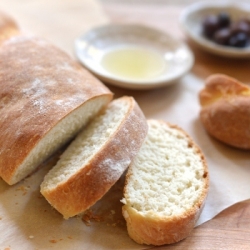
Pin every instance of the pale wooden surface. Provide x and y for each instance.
(231, 228)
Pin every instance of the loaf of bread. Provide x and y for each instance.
(165, 187)
(45, 99)
(225, 111)
(96, 159)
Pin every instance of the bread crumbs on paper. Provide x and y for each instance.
(53, 241)
(23, 189)
(89, 216)
(40, 196)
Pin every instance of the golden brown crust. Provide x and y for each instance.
(225, 111)
(39, 86)
(89, 184)
(8, 27)
(153, 229)
(156, 230)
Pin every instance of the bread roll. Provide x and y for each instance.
(165, 187)
(96, 159)
(45, 99)
(225, 111)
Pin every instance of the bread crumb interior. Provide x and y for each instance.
(86, 144)
(59, 135)
(167, 175)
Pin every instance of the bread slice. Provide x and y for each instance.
(45, 99)
(96, 159)
(165, 186)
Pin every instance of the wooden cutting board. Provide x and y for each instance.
(229, 230)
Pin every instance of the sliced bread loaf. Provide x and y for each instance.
(165, 187)
(45, 99)
(96, 159)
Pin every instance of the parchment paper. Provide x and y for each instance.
(28, 222)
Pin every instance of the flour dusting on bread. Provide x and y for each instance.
(45, 99)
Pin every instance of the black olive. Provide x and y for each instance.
(241, 26)
(222, 30)
(224, 19)
(239, 40)
(210, 25)
(222, 36)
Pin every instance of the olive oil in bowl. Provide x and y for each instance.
(133, 63)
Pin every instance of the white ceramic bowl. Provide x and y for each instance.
(93, 45)
(191, 21)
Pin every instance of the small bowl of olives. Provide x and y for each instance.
(222, 28)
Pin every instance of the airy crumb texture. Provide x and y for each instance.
(87, 144)
(58, 135)
(166, 185)
(96, 159)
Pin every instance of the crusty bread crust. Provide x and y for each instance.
(92, 181)
(225, 111)
(8, 27)
(153, 229)
(39, 86)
